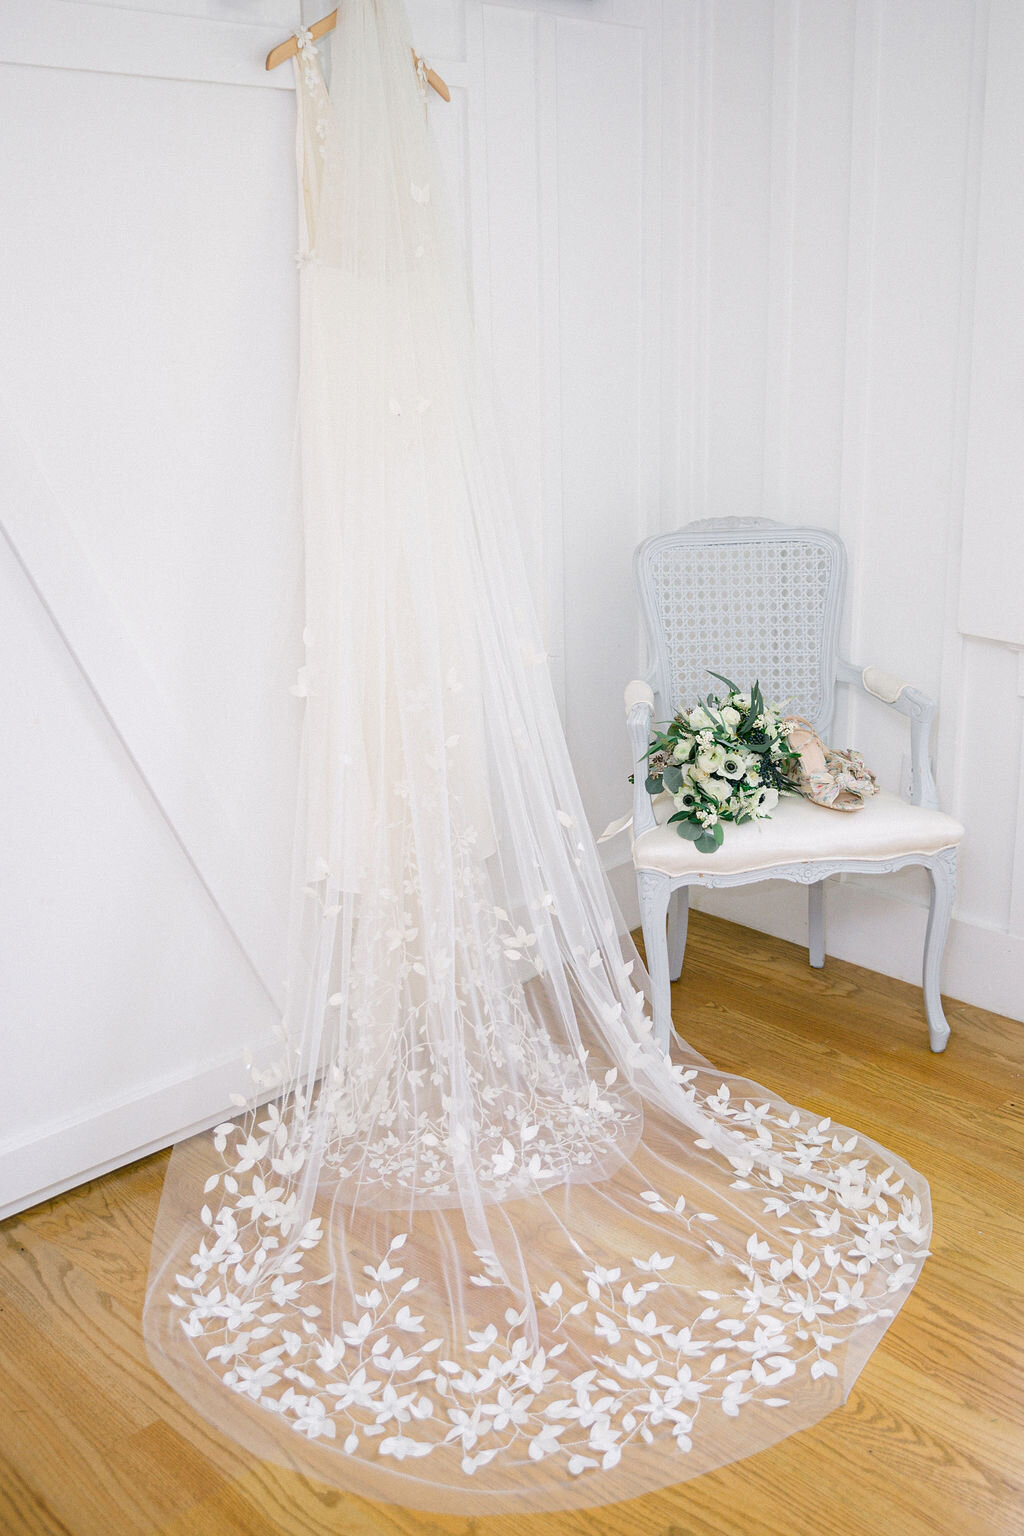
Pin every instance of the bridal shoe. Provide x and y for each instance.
(838, 780)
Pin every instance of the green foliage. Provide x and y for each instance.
(726, 759)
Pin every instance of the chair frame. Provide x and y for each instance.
(663, 898)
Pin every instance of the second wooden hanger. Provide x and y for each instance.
(290, 47)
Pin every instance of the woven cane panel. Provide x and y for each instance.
(752, 611)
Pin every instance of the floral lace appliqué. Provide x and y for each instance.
(831, 1252)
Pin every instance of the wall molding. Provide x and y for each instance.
(148, 1118)
(860, 308)
(1016, 915)
(778, 380)
(949, 771)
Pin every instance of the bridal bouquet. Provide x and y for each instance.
(724, 760)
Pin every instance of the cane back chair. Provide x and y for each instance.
(754, 599)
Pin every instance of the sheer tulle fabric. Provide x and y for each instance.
(475, 1244)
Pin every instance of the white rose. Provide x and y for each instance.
(712, 758)
(732, 717)
(719, 789)
(681, 751)
(697, 719)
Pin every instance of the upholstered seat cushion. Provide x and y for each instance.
(800, 832)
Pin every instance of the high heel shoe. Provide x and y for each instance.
(840, 781)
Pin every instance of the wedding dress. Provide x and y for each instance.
(474, 1244)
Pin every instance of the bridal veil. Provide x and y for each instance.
(473, 1243)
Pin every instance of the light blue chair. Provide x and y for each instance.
(753, 599)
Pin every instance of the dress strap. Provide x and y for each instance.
(313, 104)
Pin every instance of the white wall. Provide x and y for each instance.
(147, 580)
(147, 310)
(727, 258)
(843, 182)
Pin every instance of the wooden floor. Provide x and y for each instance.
(92, 1442)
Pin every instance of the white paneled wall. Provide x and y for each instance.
(850, 352)
(726, 258)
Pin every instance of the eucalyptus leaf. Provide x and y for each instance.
(686, 828)
(672, 778)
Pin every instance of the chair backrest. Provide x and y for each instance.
(752, 599)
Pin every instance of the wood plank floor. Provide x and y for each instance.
(930, 1443)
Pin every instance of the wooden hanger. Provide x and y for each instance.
(290, 47)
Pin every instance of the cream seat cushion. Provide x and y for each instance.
(797, 832)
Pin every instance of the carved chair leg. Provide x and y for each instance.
(943, 875)
(654, 891)
(816, 924)
(678, 917)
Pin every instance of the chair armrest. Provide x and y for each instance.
(639, 715)
(920, 710)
